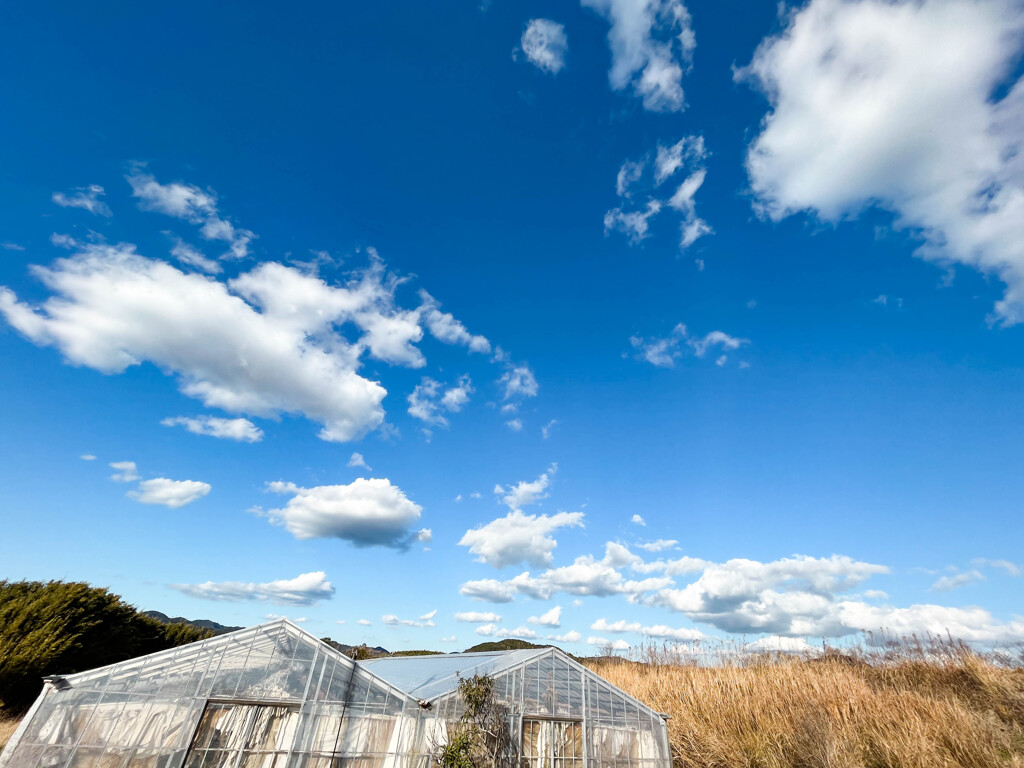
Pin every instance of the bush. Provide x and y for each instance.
(61, 627)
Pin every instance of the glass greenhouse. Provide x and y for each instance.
(274, 696)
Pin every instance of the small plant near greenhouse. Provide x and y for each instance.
(481, 738)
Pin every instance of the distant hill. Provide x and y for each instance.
(357, 651)
(509, 644)
(213, 626)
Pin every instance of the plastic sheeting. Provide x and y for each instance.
(276, 697)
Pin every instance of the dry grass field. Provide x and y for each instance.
(7, 728)
(913, 708)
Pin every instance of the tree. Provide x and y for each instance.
(482, 737)
(61, 627)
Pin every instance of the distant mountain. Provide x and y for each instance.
(508, 644)
(213, 626)
(356, 651)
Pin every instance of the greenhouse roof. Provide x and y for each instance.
(427, 677)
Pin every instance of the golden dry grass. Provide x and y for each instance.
(840, 711)
(8, 725)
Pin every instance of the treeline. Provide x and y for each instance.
(60, 627)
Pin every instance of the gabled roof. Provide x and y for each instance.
(427, 677)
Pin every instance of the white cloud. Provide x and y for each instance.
(489, 590)
(552, 618)
(524, 493)
(794, 596)
(658, 545)
(630, 172)
(638, 520)
(665, 351)
(117, 309)
(241, 430)
(127, 472)
(545, 44)
(689, 150)
(545, 431)
(357, 460)
(906, 106)
(585, 576)
(366, 512)
(493, 630)
(427, 620)
(364, 623)
(778, 644)
(193, 257)
(519, 381)
(197, 206)
(572, 636)
(477, 617)
(518, 537)
(1011, 568)
(651, 42)
(86, 198)
(169, 493)
(659, 631)
(947, 583)
(306, 589)
(603, 642)
(444, 327)
(633, 224)
(449, 639)
(427, 400)
(87, 457)
(516, 425)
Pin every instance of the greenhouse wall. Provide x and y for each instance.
(275, 697)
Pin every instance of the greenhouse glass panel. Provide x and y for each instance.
(274, 696)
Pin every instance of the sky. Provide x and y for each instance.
(599, 323)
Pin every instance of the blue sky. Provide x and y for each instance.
(601, 321)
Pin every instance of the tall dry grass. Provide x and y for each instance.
(8, 725)
(908, 709)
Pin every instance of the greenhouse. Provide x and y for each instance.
(274, 696)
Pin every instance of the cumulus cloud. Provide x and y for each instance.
(688, 153)
(444, 327)
(86, 198)
(193, 257)
(663, 352)
(572, 636)
(519, 382)
(357, 460)
(306, 589)
(658, 545)
(493, 630)
(518, 537)
(87, 457)
(194, 205)
(169, 493)
(586, 575)
(651, 43)
(603, 642)
(241, 430)
(117, 309)
(545, 431)
(429, 400)
(477, 617)
(271, 339)
(127, 471)
(545, 44)
(525, 493)
(948, 583)
(908, 106)
(516, 425)
(552, 618)
(638, 520)
(364, 623)
(366, 512)
(426, 620)
(658, 631)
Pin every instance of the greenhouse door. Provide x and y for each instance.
(552, 744)
(243, 736)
